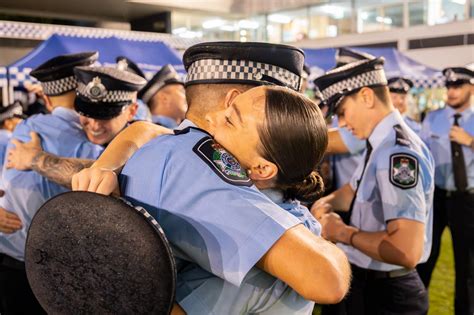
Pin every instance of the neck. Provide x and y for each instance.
(65, 100)
(380, 113)
(198, 121)
(463, 107)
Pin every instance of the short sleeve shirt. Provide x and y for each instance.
(398, 183)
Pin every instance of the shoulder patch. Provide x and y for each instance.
(401, 137)
(403, 170)
(221, 162)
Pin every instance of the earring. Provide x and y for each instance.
(249, 172)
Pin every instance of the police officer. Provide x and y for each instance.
(126, 64)
(106, 103)
(346, 148)
(10, 116)
(399, 88)
(389, 198)
(187, 171)
(25, 192)
(449, 133)
(164, 95)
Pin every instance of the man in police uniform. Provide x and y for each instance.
(102, 116)
(399, 88)
(164, 95)
(126, 64)
(389, 198)
(449, 133)
(25, 192)
(10, 116)
(185, 173)
(345, 147)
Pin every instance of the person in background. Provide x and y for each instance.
(126, 64)
(25, 192)
(389, 198)
(399, 88)
(164, 95)
(10, 116)
(449, 133)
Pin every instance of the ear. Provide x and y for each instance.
(262, 170)
(230, 96)
(368, 97)
(132, 110)
(47, 103)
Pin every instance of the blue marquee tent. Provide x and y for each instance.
(150, 55)
(396, 64)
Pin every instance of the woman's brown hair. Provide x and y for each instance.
(294, 137)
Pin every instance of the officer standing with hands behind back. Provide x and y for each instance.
(389, 198)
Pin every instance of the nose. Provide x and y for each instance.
(94, 124)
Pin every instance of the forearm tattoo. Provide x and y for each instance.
(58, 169)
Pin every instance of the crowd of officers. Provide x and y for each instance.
(392, 183)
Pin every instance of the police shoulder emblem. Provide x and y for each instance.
(221, 162)
(403, 170)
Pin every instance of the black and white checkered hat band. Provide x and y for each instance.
(152, 91)
(60, 86)
(452, 76)
(114, 96)
(399, 85)
(375, 77)
(245, 70)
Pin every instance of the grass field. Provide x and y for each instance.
(442, 283)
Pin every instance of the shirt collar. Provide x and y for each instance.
(464, 114)
(66, 114)
(275, 195)
(379, 134)
(185, 124)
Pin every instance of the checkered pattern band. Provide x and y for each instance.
(245, 70)
(158, 86)
(114, 96)
(60, 86)
(375, 77)
(399, 85)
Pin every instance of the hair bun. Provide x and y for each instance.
(308, 190)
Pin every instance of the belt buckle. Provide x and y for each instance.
(398, 273)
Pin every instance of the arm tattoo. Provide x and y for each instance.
(58, 169)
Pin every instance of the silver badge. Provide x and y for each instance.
(95, 90)
(451, 75)
(258, 76)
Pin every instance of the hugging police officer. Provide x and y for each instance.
(389, 198)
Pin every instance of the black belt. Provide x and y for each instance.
(368, 274)
(7, 261)
(453, 193)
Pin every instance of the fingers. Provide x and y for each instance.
(108, 185)
(95, 180)
(16, 142)
(35, 139)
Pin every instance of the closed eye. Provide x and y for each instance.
(227, 119)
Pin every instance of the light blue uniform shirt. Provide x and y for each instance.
(435, 133)
(143, 112)
(398, 183)
(5, 136)
(209, 210)
(413, 124)
(164, 121)
(199, 292)
(345, 164)
(25, 192)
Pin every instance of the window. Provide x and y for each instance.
(329, 20)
